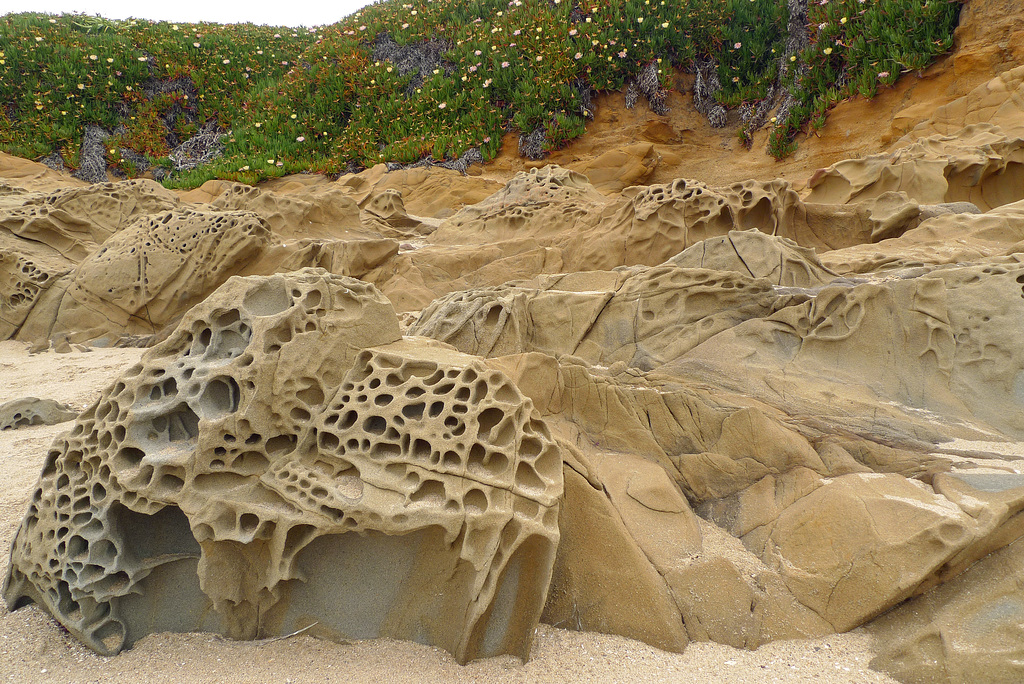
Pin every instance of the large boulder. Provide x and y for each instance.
(285, 461)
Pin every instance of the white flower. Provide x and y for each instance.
(442, 105)
(225, 61)
(301, 138)
(93, 57)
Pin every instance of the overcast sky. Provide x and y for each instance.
(281, 13)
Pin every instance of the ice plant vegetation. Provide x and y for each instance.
(403, 81)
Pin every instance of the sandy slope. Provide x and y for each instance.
(33, 648)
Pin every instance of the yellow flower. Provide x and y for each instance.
(827, 51)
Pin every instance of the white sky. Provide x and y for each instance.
(280, 13)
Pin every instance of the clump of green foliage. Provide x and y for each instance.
(401, 81)
(857, 46)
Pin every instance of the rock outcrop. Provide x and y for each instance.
(283, 461)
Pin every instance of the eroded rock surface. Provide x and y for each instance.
(285, 460)
(33, 411)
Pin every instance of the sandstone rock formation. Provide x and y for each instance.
(368, 486)
(33, 411)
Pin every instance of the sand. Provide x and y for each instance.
(34, 648)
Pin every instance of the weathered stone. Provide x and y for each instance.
(283, 461)
(32, 411)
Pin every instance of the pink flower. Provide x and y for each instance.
(578, 55)
(472, 68)
(301, 138)
(442, 105)
(516, 32)
(738, 45)
(487, 139)
(504, 65)
(573, 32)
(883, 74)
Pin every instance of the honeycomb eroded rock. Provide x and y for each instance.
(285, 460)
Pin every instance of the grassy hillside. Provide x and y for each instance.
(403, 81)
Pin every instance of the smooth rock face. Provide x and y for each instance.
(284, 460)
